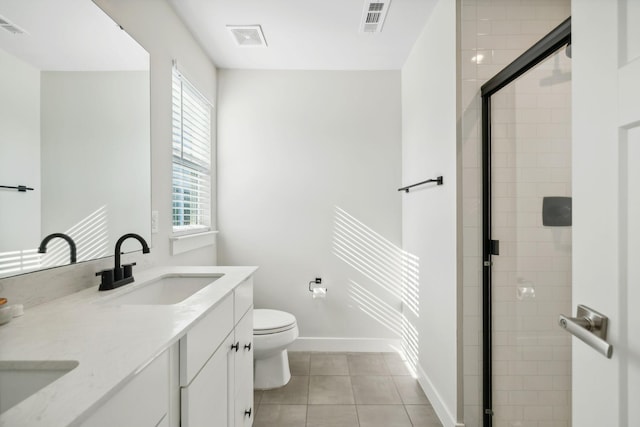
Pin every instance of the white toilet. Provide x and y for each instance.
(273, 331)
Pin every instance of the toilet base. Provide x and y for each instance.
(271, 372)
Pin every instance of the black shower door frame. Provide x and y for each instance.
(549, 44)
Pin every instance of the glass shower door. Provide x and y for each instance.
(531, 218)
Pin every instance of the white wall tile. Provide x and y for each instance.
(491, 13)
(538, 412)
(506, 27)
(532, 159)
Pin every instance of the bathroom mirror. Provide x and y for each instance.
(75, 127)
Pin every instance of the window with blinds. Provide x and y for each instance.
(191, 157)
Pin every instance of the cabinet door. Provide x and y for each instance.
(205, 401)
(127, 409)
(244, 411)
(204, 338)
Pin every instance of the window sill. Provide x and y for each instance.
(189, 242)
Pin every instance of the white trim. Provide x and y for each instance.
(442, 411)
(331, 344)
(189, 242)
(184, 78)
(187, 230)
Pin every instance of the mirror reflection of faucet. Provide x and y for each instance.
(42, 249)
(120, 274)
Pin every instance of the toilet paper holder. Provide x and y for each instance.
(316, 290)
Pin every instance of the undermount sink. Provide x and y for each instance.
(20, 379)
(165, 290)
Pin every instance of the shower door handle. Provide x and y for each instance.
(589, 326)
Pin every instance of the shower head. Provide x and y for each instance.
(558, 74)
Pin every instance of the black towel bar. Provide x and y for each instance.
(438, 180)
(21, 188)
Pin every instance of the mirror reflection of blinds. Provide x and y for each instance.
(191, 180)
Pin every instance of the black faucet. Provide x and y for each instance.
(72, 245)
(120, 274)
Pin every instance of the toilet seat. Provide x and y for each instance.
(267, 321)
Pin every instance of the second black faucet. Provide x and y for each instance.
(120, 274)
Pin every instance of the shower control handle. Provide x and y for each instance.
(589, 326)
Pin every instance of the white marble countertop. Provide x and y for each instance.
(111, 343)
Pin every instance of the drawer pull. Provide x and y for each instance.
(235, 346)
(247, 413)
(247, 347)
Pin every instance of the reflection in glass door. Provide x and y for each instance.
(531, 203)
(527, 235)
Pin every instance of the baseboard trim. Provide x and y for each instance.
(446, 417)
(331, 344)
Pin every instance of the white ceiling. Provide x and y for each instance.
(305, 35)
(69, 35)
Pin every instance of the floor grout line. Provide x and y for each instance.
(356, 406)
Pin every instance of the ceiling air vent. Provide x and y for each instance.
(247, 35)
(374, 13)
(7, 25)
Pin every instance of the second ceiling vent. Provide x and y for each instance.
(373, 15)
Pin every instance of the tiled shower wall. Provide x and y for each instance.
(493, 33)
(532, 276)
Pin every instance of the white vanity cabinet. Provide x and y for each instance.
(142, 402)
(141, 359)
(216, 365)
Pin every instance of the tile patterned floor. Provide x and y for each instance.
(345, 390)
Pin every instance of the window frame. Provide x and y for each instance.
(201, 178)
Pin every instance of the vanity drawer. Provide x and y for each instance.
(243, 296)
(204, 338)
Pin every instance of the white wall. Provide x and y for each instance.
(309, 166)
(20, 154)
(96, 125)
(157, 28)
(429, 213)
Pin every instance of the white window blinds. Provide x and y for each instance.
(191, 157)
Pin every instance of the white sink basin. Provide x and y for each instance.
(20, 379)
(165, 290)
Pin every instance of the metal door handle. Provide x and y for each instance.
(591, 327)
